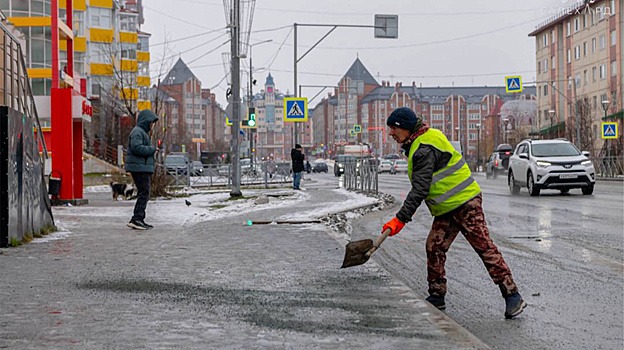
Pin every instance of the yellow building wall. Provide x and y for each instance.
(143, 81)
(34, 73)
(101, 69)
(101, 35)
(128, 37)
(144, 105)
(129, 94)
(129, 65)
(143, 56)
(31, 21)
(107, 4)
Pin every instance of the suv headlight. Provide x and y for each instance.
(542, 164)
(587, 163)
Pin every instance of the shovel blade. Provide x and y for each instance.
(355, 253)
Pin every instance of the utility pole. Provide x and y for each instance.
(250, 105)
(235, 71)
(295, 81)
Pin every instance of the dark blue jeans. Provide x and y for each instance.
(142, 183)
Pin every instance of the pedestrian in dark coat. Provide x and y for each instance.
(140, 163)
(297, 165)
(441, 178)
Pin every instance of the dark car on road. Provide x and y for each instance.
(498, 163)
(177, 164)
(320, 167)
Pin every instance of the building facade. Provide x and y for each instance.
(579, 65)
(111, 59)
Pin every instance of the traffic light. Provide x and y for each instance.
(250, 122)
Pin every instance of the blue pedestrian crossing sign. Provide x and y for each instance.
(610, 130)
(513, 84)
(295, 109)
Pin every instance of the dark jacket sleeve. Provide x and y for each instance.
(425, 162)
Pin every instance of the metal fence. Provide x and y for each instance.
(265, 174)
(361, 175)
(609, 166)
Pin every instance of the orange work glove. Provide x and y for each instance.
(395, 225)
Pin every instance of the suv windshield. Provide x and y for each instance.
(555, 150)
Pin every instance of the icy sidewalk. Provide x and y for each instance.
(203, 279)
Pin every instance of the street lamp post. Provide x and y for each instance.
(551, 114)
(506, 121)
(605, 107)
(478, 147)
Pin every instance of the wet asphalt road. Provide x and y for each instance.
(565, 251)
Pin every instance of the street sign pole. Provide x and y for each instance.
(235, 117)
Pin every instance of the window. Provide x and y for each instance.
(545, 40)
(603, 42)
(585, 77)
(613, 38)
(545, 90)
(127, 23)
(593, 45)
(100, 18)
(568, 28)
(612, 7)
(128, 51)
(577, 52)
(99, 52)
(552, 62)
(613, 68)
(577, 24)
(584, 48)
(577, 79)
(545, 65)
(539, 66)
(79, 23)
(569, 82)
(143, 44)
(603, 71)
(594, 70)
(569, 56)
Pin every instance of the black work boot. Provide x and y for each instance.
(514, 305)
(437, 301)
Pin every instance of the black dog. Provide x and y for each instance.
(120, 189)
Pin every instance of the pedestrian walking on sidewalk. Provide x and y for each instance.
(440, 176)
(140, 163)
(297, 165)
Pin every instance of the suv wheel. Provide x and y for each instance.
(588, 190)
(533, 190)
(513, 188)
(565, 190)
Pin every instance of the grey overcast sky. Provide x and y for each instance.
(441, 43)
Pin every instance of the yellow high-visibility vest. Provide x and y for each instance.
(452, 185)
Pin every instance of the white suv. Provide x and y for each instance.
(550, 164)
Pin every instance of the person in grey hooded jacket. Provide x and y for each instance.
(140, 163)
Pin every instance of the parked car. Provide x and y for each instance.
(384, 166)
(550, 164)
(320, 167)
(197, 168)
(399, 166)
(177, 164)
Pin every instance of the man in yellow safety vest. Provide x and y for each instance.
(440, 176)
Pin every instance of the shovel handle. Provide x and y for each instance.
(378, 242)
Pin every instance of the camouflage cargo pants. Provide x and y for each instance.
(470, 221)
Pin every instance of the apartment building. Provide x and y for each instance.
(111, 60)
(579, 65)
(186, 120)
(273, 137)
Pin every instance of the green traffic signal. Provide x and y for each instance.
(252, 120)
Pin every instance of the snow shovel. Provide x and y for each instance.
(358, 252)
